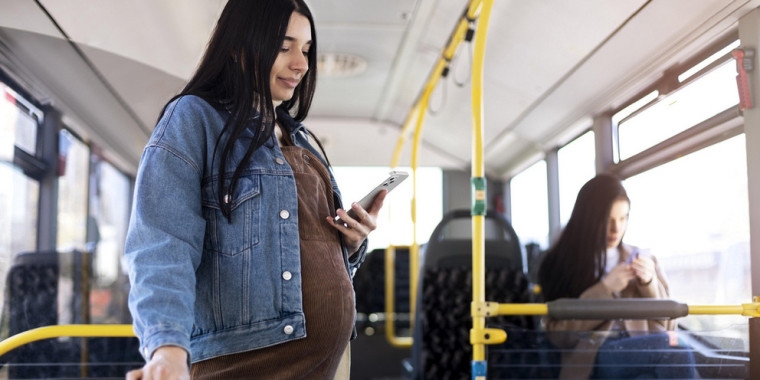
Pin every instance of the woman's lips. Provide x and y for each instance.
(292, 83)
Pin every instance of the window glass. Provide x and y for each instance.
(19, 197)
(395, 219)
(72, 192)
(719, 54)
(18, 127)
(530, 208)
(19, 194)
(693, 214)
(110, 193)
(576, 167)
(705, 97)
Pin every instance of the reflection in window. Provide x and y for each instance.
(107, 227)
(576, 166)
(74, 156)
(530, 205)
(690, 105)
(395, 219)
(693, 214)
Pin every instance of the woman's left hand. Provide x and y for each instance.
(355, 231)
(643, 266)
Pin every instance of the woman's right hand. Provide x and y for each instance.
(619, 277)
(168, 362)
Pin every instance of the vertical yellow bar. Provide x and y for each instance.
(478, 237)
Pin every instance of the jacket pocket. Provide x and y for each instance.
(241, 232)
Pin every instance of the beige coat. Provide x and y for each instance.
(579, 350)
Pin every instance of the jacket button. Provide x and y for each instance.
(306, 159)
(279, 161)
(284, 214)
(287, 275)
(288, 329)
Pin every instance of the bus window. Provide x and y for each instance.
(74, 157)
(19, 194)
(395, 216)
(110, 194)
(576, 166)
(693, 213)
(704, 97)
(530, 205)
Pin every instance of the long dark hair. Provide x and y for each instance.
(577, 260)
(234, 75)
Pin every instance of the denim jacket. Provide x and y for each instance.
(202, 283)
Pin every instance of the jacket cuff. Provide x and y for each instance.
(161, 336)
(356, 259)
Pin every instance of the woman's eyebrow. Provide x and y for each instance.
(293, 39)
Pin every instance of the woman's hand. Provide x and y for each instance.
(168, 362)
(355, 231)
(643, 267)
(619, 277)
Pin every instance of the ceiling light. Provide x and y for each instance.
(340, 65)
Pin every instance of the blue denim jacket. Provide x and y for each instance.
(197, 281)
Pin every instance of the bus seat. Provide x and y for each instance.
(442, 348)
(372, 356)
(32, 300)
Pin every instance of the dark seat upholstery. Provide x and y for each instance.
(442, 347)
(32, 300)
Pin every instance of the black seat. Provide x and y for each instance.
(32, 301)
(372, 356)
(442, 348)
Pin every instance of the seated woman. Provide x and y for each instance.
(590, 261)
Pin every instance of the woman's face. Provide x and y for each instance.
(292, 62)
(617, 223)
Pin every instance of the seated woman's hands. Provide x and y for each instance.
(619, 277)
(644, 268)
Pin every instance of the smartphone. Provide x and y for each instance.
(390, 183)
(633, 255)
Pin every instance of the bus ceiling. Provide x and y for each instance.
(110, 67)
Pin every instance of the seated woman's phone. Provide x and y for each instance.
(390, 183)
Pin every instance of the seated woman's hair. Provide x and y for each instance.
(578, 258)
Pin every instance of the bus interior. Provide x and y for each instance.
(499, 110)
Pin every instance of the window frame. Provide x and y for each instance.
(720, 127)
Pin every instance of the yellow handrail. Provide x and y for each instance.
(415, 118)
(479, 335)
(493, 309)
(390, 301)
(65, 330)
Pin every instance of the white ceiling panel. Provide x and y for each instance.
(549, 63)
(169, 35)
(361, 13)
(655, 33)
(145, 88)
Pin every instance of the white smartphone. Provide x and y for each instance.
(390, 183)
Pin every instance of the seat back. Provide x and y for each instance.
(32, 300)
(442, 348)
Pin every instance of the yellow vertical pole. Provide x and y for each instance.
(418, 113)
(478, 192)
(414, 258)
